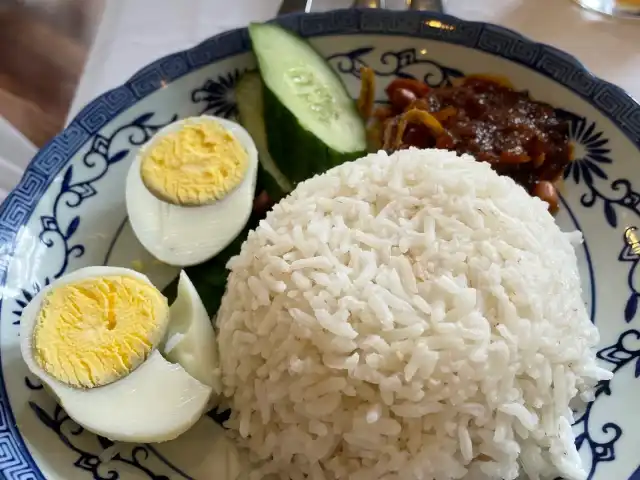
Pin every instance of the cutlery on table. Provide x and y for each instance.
(291, 6)
(369, 4)
(430, 5)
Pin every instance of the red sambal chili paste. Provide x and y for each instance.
(484, 117)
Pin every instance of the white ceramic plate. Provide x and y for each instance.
(68, 211)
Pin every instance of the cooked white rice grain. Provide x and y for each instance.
(412, 316)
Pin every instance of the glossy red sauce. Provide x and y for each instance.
(521, 138)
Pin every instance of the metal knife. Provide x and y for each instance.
(426, 5)
(423, 5)
(291, 6)
(369, 4)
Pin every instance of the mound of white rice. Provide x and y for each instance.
(412, 316)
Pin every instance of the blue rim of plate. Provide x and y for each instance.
(16, 461)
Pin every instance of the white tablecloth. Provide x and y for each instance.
(15, 153)
(135, 32)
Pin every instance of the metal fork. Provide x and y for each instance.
(369, 3)
(289, 6)
(434, 5)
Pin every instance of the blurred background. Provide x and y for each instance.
(43, 48)
(58, 55)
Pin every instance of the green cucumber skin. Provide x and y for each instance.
(298, 152)
(248, 102)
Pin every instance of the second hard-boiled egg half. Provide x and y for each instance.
(190, 190)
(121, 362)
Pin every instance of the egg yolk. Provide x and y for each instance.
(95, 331)
(195, 165)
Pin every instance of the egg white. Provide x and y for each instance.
(184, 236)
(156, 402)
(190, 339)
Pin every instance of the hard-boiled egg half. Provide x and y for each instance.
(121, 362)
(190, 190)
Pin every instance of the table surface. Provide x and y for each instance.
(44, 44)
(135, 32)
(43, 49)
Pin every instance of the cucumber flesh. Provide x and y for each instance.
(251, 115)
(298, 152)
(306, 85)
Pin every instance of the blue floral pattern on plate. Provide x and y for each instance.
(592, 157)
(395, 63)
(218, 95)
(67, 179)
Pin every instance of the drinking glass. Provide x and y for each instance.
(614, 8)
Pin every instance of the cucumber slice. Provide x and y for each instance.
(312, 123)
(250, 109)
